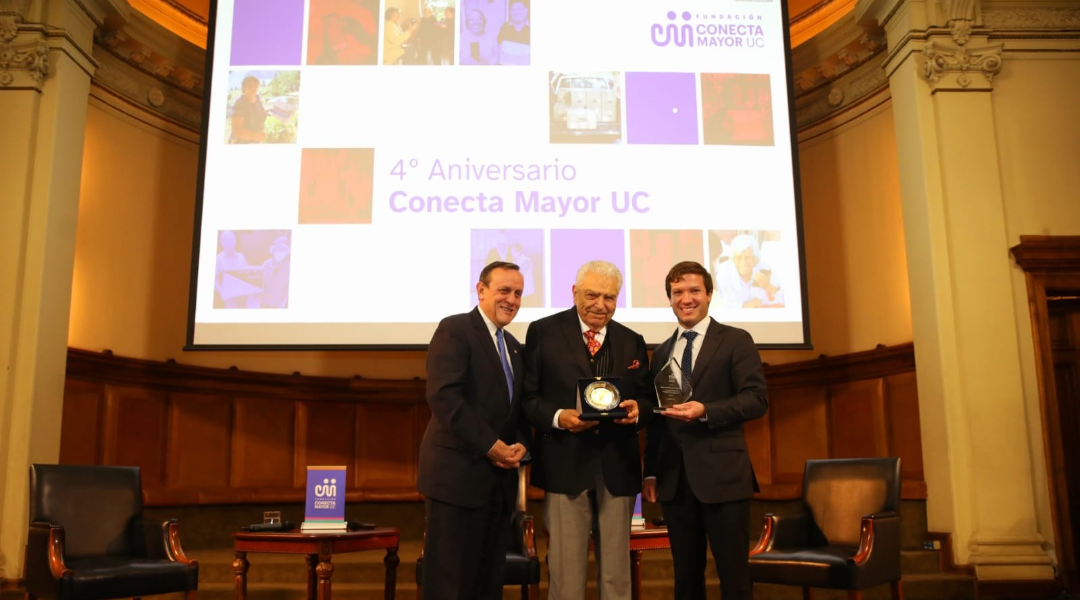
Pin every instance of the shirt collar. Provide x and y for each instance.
(490, 325)
(700, 328)
(584, 327)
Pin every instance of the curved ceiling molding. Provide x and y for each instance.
(815, 18)
(185, 18)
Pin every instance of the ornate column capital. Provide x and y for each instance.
(946, 37)
(956, 66)
(23, 65)
(24, 57)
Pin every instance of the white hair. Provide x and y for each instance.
(602, 268)
(744, 241)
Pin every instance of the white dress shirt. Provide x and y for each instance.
(680, 343)
(493, 330)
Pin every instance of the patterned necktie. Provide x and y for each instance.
(592, 342)
(505, 363)
(687, 364)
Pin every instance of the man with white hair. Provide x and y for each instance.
(591, 470)
(742, 281)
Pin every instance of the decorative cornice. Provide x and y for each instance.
(837, 70)
(12, 14)
(144, 92)
(150, 48)
(842, 95)
(1012, 17)
(1047, 252)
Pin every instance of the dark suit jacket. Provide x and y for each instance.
(470, 409)
(555, 358)
(729, 381)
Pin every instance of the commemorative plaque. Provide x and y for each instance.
(600, 398)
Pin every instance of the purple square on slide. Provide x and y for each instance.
(661, 108)
(571, 248)
(267, 32)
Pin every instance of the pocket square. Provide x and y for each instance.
(634, 365)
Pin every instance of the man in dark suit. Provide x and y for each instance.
(474, 442)
(590, 470)
(696, 460)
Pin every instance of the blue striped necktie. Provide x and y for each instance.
(687, 364)
(505, 363)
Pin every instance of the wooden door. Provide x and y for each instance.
(1064, 318)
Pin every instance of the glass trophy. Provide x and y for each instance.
(669, 387)
(600, 398)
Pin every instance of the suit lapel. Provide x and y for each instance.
(618, 357)
(664, 350)
(486, 343)
(575, 342)
(708, 347)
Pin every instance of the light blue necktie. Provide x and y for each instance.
(505, 363)
(687, 364)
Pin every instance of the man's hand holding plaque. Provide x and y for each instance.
(601, 400)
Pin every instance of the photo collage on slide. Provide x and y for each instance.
(749, 267)
(264, 106)
(660, 108)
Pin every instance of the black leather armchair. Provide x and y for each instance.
(522, 563)
(89, 541)
(848, 535)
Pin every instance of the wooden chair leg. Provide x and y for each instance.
(30, 596)
(524, 591)
(897, 590)
(806, 593)
(534, 591)
(854, 594)
(191, 595)
(419, 592)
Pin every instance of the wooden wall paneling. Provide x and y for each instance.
(199, 444)
(902, 406)
(135, 431)
(386, 450)
(81, 425)
(759, 442)
(264, 437)
(325, 435)
(206, 436)
(799, 425)
(857, 419)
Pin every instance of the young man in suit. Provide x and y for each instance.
(696, 460)
(588, 468)
(474, 442)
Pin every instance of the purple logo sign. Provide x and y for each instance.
(673, 33)
(712, 29)
(325, 494)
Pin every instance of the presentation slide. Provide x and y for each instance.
(364, 159)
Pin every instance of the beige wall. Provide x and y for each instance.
(133, 252)
(133, 257)
(1038, 131)
(855, 261)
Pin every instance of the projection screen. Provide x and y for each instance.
(362, 160)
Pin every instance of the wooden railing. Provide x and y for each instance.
(222, 436)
